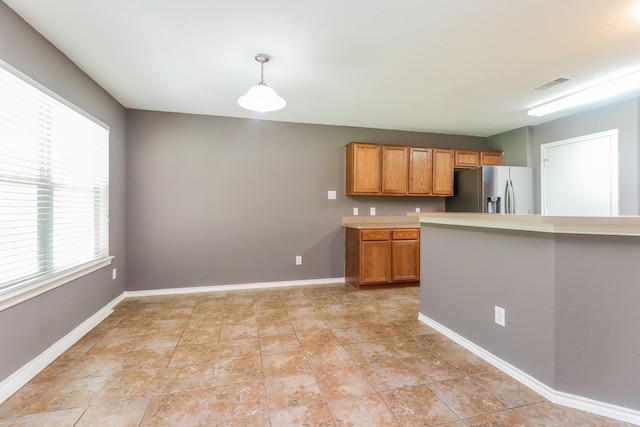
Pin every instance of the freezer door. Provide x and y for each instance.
(494, 188)
(521, 180)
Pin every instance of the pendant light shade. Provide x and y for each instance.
(261, 97)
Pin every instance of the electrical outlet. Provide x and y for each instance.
(500, 316)
(417, 209)
(331, 194)
(355, 211)
(299, 260)
(114, 274)
(372, 211)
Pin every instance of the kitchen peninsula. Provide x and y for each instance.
(570, 288)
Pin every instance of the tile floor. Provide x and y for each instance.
(325, 355)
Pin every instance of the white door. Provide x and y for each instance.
(580, 176)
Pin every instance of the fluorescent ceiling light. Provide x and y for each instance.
(607, 89)
(261, 97)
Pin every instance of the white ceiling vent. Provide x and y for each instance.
(552, 83)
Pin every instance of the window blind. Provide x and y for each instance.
(54, 186)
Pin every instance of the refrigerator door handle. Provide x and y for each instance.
(511, 198)
(507, 199)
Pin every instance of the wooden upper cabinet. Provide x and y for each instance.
(442, 172)
(420, 171)
(491, 158)
(471, 159)
(466, 158)
(394, 169)
(397, 170)
(363, 168)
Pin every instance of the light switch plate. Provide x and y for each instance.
(331, 194)
(299, 260)
(417, 209)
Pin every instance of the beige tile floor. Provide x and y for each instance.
(325, 355)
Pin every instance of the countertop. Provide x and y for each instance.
(373, 222)
(612, 226)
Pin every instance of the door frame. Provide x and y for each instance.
(613, 146)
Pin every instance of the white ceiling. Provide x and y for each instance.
(450, 66)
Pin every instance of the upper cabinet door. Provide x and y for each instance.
(491, 158)
(394, 169)
(466, 158)
(363, 168)
(442, 172)
(420, 171)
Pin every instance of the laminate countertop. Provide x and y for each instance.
(377, 222)
(608, 226)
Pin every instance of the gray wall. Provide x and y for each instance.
(571, 304)
(523, 145)
(622, 116)
(32, 326)
(514, 144)
(597, 318)
(215, 201)
(469, 271)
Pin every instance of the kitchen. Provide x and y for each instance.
(255, 215)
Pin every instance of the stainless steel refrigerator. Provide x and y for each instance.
(492, 189)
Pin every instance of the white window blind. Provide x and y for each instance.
(54, 186)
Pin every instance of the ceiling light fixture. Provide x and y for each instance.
(606, 89)
(261, 97)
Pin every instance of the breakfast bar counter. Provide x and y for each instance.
(570, 290)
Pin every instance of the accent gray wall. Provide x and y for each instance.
(455, 291)
(31, 327)
(571, 304)
(622, 116)
(597, 318)
(514, 144)
(217, 201)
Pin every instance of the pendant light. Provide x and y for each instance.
(261, 97)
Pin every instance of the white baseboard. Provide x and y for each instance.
(559, 397)
(236, 287)
(22, 376)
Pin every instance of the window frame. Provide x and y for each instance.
(26, 289)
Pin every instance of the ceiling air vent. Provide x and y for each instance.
(552, 83)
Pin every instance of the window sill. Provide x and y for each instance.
(16, 296)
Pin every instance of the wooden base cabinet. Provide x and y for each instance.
(381, 256)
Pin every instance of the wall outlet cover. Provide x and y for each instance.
(372, 211)
(355, 211)
(299, 260)
(500, 316)
(331, 194)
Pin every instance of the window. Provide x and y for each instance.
(54, 188)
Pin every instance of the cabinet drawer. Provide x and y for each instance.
(376, 235)
(406, 234)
